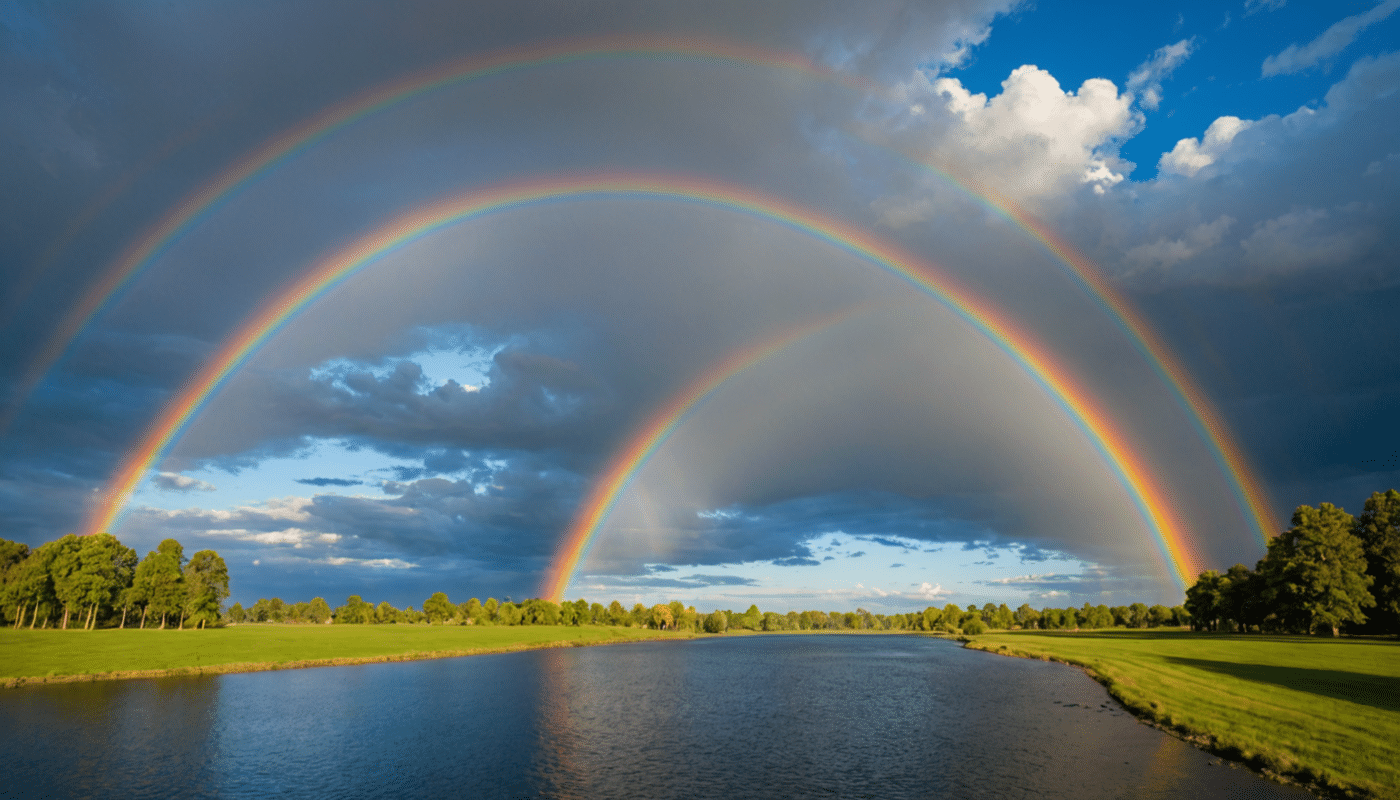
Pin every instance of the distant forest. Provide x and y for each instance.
(1328, 573)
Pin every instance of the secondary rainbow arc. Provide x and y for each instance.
(1130, 467)
(1230, 457)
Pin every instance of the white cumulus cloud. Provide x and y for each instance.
(1033, 142)
(1190, 156)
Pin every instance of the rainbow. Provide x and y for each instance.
(1248, 490)
(640, 448)
(1131, 469)
(196, 207)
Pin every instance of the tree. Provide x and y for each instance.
(716, 622)
(1026, 616)
(206, 588)
(1315, 572)
(33, 586)
(1378, 528)
(355, 612)
(318, 611)
(438, 608)
(236, 614)
(386, 614)
(158, 585)
(662, 618)
(1204, 600)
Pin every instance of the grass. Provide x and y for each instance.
(61, 656)
(1322, 712)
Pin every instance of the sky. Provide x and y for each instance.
(803, 305)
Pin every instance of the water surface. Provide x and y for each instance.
(729, 717)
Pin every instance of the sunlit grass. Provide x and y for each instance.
(1322, 711)
(34, 655)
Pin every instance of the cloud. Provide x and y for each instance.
(927, 591)
(1033, 142)
(1307, 238)
(1190, 156)
(1332, 41)
(1146, 80)
(329, 482)
(173, 482)
(1165, 253)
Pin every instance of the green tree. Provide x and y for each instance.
(471, 612)
(159, 585)
(355, 612)
(716, 622)
(1027, 617)
(1315, 572)
(33, 586)
(206, 588)
(318, 611)
(1204, 600)
(438, 608)
(661, 617)
(236, 614)
(1378, 529)
(386, 614)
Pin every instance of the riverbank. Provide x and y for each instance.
(37, 657)
(1321, 713)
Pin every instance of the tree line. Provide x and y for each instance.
(99, 580)
(1321, 575)
(675, 615)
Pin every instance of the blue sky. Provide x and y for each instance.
(436, 422)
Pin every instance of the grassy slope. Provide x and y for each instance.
(1324, 712)
(32, 656)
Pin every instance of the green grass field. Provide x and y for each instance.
(34, 656)
(1322, 711)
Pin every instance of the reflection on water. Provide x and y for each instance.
(789, 716)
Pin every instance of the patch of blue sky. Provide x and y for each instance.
(856, 570)
(324, 467)
(1076, 41)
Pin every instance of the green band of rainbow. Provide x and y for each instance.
(1117, 449)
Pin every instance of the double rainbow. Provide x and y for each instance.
(1233, 464)
(1131, 469)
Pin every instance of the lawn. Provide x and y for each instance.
(1322, 711)
(34, 656)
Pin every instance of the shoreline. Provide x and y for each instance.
(1203, 740)
(236, 667)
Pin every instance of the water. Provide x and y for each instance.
(778, 716)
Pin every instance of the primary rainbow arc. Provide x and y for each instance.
(1130, 467)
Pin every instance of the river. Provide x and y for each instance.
(726, 717)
